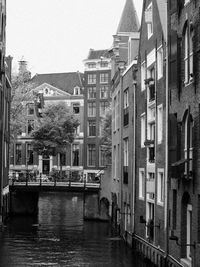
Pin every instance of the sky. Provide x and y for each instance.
(56, 35)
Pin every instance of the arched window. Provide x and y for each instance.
(188, 147)
(188, 52)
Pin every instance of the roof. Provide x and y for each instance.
(63, 81)
(162, 9)
(97, 54)
(129, 20)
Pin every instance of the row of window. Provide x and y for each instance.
(92, 65)
(91, 156)
(92, 92)
(92, 78)
(92, 108)
(149, 133)
(30, 155)
(151, 177)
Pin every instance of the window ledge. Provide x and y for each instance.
(186, 262)
(160, 203)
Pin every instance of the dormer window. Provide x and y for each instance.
(91, 65)
(149, 20)
(76, 90)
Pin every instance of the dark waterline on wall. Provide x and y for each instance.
(60, 237)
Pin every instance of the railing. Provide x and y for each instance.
(153, 253)
(53, 182)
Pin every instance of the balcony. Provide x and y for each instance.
(125, 174)
(149, 143)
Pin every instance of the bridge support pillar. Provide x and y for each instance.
(94, 209)
(24, 203)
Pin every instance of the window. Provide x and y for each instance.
(103, 106)
(141, 183)
(92, 109)
(76, 90)
(91, 128)
(114, 165)
(76, 108)
(30, 109)
(160, 187)
(188, 149)
(91, 155)
(149, 20)
(75, 154)
(30, 126)
(126, 152)
(91, 78)
(143, 129)
(91, 65)
(104, 91)
(91, 92)
(160, 63)
(104, 77)
(143, 75)
(77, 130)
(188, 53)
(126, 105)
(62, 159)
(18, 154)
(102, 156)
(29, 154)
(160, 123)
(104, 64)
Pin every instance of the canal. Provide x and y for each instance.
(60, 237)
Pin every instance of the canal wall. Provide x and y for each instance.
(95, 208)
(24, 203)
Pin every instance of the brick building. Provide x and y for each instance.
(97, 77)
(55, 88)
(5, 92)
(123, 53)
(184, 127)
(150, 217)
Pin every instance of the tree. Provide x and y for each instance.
(106, 139)
(21, 94)
(54, 130)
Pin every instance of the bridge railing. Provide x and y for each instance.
(45, 180)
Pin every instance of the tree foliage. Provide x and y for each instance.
(54, 130)
(20, 94)
(106, 139)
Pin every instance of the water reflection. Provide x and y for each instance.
(60, 237)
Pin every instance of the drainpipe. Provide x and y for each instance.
(166, 209)
(134, 154)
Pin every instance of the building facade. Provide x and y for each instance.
(5, 93)
(184, 127)
(97, 77)
(124, 60)
(54, 88)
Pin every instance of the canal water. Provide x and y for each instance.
(60, 237)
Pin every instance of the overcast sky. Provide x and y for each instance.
(56, 35)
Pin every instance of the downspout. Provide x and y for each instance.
(166, 221)
(134, 154)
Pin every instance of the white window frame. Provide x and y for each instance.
(92, 78)
(150, 24)
(143, 75)
(160, 124)
(143, 128)
(104, 77)
(160, 186)
(141, 183)
(160, 62)
(126, 141)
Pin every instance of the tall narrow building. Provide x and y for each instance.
(97, 76)
(5, 93)
(124, 54)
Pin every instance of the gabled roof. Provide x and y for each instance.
(97, 54)
(63, 81)
(162, 9)
(129, 20)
